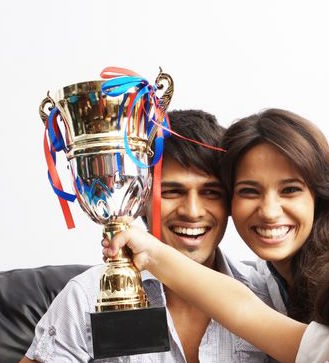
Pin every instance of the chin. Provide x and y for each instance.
(193, 257)
(273, 257)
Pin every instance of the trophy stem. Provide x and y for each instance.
(121, 284)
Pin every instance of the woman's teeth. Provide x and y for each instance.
(272, 233)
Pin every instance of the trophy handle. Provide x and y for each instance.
(167, 96)
(164, 99)
(45, 101)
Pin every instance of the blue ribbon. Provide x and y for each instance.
(56, 144)
(121, 85)
(64, 195)
(118, 157)
(56, 139)
(90, 190)
(158, 150)
(122, 106)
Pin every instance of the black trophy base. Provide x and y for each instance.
(128, 332)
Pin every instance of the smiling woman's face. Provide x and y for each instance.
(272, 206)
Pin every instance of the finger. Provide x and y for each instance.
(105, 252)
(117, 242)
(105, 242)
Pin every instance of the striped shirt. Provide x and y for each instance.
(61, 335)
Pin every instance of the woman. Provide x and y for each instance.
(276, 172)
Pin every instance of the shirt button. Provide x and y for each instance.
(52, 331)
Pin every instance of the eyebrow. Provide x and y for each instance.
(284, 181)
(170, 184)
(249, 182)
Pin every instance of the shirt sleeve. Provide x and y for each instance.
(314, 346)
(61, 334)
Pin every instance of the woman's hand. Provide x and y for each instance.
(142, 244)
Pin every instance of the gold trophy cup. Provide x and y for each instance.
(111, 186)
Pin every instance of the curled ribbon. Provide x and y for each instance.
(121, 81)
(56, 144)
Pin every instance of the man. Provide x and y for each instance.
(193, 220)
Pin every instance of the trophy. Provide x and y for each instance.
(108, 138)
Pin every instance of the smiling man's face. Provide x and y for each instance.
(193, 211)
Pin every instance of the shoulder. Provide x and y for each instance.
(247, 273)
(314, 346)
(89, 276)
(80, 292)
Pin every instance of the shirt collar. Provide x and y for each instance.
(282, 283)
(221, 265)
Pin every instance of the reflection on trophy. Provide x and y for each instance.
(107, 143)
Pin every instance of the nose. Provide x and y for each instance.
(270, 208)
(192, 206)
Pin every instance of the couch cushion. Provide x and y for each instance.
(25, 295)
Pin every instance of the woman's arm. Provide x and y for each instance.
(221, 297)
(27, 360)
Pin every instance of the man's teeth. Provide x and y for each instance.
(272, 232)
(190, 231)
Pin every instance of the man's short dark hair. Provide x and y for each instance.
(200, 126)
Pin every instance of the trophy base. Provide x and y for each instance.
(127, 332)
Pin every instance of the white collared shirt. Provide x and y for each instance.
(61, 334)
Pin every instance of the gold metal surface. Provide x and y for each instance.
(94, 145)
(90, 115)
(165, 99)
(162, 78)
(121, 284)
(45, 101)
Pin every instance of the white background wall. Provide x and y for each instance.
(231, 58)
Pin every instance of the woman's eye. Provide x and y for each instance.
(291, 190)
(247, 191)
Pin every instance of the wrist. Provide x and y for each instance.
(154, 254)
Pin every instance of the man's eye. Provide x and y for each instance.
(213, 193)
(172, 193)
(291, 189)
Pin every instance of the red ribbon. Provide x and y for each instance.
(156, 196)
(188, 139)
(57, 183)
(111, 72)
